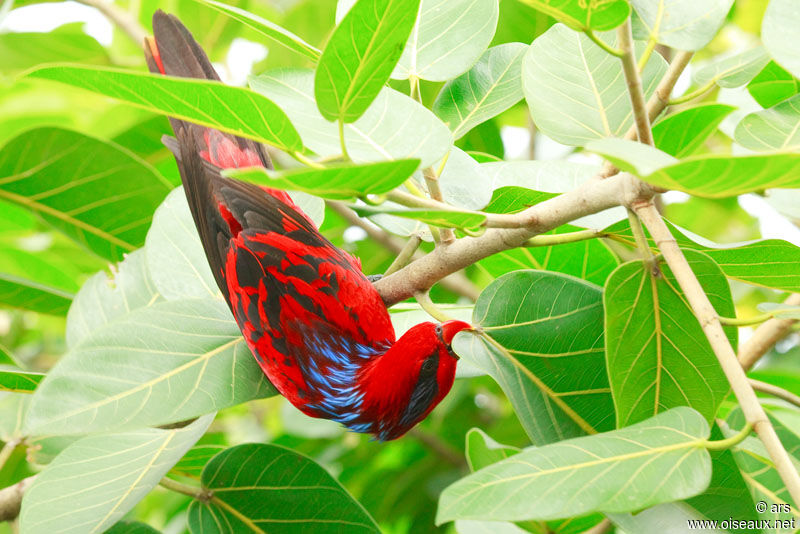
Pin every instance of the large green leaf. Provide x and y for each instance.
(590, 260)
(681, 24)
(29, 281)
(658, 356)
(157, 365)
(360, 56)
(98, 479)
(336, 182)
(776, 128)
(131, 527)
(266, 28)
(103, 299)
(394, 126)
(732, 71)
(576, 91)
(768, 262)
(490, 87)
(779, 33)
(96, 192)
(482, 451)
(655, 461)
(22, 50)
(706, 175)
(449, 37)
(585, 15)
(773, 85)
(683, 132)
(541, 331)
(230, 109)
(267, 488)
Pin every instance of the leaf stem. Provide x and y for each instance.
(694, 94)
(560, 239)
(602, 44)
(432, 181)
(342, 141)
(651, 45)
(405, 255)
(739, 321)
(200, 494)
(775, 391)
(727, 443)
(641, 240)
(424, 300)
(306, 160)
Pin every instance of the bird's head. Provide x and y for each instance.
(403, 385)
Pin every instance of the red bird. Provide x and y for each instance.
(316, 325)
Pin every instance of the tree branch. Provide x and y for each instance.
(775, 391)
(11, 499)
(641, 118)
(766, 335)
(120, 17)
(709, 321)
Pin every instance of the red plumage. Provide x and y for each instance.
(316, 325)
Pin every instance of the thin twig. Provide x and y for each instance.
(630, 69)
(775, 391)
(127, 23)
(709, 321)
(432, 181)
(766, 335)
(405, 254)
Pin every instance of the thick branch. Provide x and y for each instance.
(591, 197)
(709, 321)
(766, 335)
(11, 499)
(641, 117)
(121, 18)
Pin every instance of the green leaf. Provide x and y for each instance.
(94, 191)
(131, 527)
(18, 381)
(394, 127)
(482, 451)
(767, 262)
(467, 526)
(706, 175)
(443, 218)
(268, 29)
(576, 91)
(30, 282)
(582, 16)
(157, 365)
(195, 459)
(590, 260)
(776, 128)
(209, 103)
(175, 257)
(681, 24)
(682, 133)
(732, 71)
(449, 37)
(22, 50)
(772, 85)
(655, 461)
(268, 488)
(658, 357)
(335, 182)
(103, 299)
(490, 87)
(779, 33)
(781, 311)
(513, 199)
(98, 479)
(360, 56)
(541, 330)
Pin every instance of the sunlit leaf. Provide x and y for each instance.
(540, 329)
(360, 56)
(131, 527)
(776, 128)
(267, 488)
(681, 24)
(195, 459)
(18, 381)
(482, 451)
(98, 479)
(585, 15)
(96, 192)
(779, 33)
(157, 365)
(658, 460)
(575, 90)
(23, 50)
(335, 182)
(30, 282)
(658, 356)
(681, 133)
(491, 86)
(394, 126)
(773, 85)
(732, 71)
(782, 311)
(209, 103)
